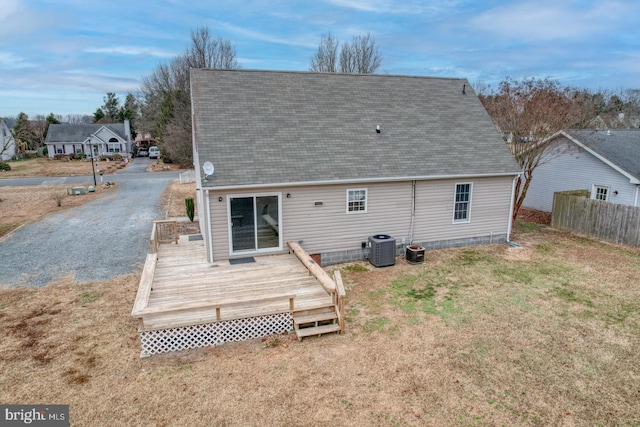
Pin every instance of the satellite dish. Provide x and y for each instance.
(208, 169)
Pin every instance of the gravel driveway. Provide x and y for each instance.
(99, 240)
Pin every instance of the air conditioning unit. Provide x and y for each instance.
(382, 250)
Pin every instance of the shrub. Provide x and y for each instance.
(80, 156)
(4, 166)
(190, 207)
(59, 156)
(111, 157)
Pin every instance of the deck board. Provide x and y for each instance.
(183, 276)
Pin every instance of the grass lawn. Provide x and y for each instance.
(545, 334)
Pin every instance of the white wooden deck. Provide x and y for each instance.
(186, 290)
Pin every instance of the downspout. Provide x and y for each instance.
(413, 210)
(207, 208)
(635, 202)
(509, 223)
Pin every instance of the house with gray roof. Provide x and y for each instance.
(329, 160)
(604, 162)
(7, 143)
(69, 139)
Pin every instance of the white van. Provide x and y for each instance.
(154, 152)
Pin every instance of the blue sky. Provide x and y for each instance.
(62, 56)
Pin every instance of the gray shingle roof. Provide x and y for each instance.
(620, 147)
(78, 133)
(265, 127)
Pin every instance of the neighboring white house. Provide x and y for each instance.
(69, 139)
(604, 162)
(330, 160)
(7, 143)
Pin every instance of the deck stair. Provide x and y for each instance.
(322, 320)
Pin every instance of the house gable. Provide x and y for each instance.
(585, 160)
(620, 149)
(106, 134)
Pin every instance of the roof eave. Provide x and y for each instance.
(357, 181)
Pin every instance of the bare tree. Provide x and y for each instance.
(207, 52)
(361, 56)
(530, 111)
(166, 110)
(324, 61)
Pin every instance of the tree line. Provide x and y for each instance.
(526, 111)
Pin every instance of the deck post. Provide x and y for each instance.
(340, 295)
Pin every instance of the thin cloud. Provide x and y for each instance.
(132, 50)
(393, 7)
(536, 21)
(9, 60)
(256, 35)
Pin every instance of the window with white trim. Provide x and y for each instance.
(357, 200)
(600, 192)
(114, 148)
(462, 204)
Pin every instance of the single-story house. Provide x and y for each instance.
(329, 160)
(604, 162)
(68, 139)
(7, 143)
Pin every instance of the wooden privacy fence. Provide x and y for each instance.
(596, 218)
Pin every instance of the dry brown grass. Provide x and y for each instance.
(547, 334)
(160, 166)
(51, 167)
(22, 205)
(173, 198)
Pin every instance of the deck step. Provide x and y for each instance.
(314, 318)
(317, 330)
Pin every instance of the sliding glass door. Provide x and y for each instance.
(254, 223)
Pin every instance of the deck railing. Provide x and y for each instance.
(334, 288)
(218, 304)
(163, 231)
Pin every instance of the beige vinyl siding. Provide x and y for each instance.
(388, 212)
(328, 227)
(489, 213)
(219, 225)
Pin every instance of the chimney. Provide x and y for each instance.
(127, 130)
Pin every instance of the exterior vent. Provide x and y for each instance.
(382, 250)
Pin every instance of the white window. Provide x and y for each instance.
(462, 205)
(357, 200)
(600, 192)
(114, 148)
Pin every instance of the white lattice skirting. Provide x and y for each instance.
(165, 340)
